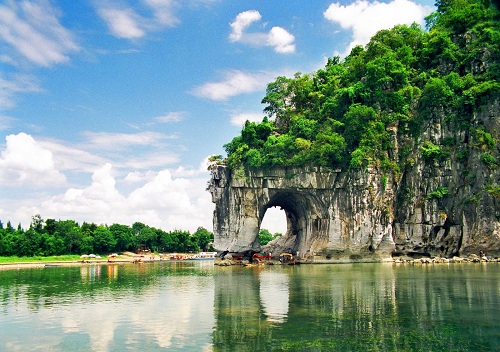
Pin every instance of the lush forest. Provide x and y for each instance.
(57, 237)
(52, 237)
(348, 114)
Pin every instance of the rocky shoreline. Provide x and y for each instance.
(473, 258)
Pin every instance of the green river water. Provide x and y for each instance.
(195, 306)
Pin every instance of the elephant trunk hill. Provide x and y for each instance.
(391, 152)
(431, 209)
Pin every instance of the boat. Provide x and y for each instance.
(257, 258)
(287, 258)
(176, 256)
(237, 256)
(204, 256)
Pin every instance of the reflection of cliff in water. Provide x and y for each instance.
(274, 295)
(289, 303)
(349, 307)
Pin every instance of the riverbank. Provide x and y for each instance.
(132, 258)
(127, 257)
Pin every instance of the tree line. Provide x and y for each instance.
(58, 237)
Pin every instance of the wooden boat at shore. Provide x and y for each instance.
(287, 258)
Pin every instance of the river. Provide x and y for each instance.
(196, 306)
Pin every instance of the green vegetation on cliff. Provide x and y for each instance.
(352, 113)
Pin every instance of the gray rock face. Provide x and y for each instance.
(444, 207)
(330, 214)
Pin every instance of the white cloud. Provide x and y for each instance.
(242, 21)
(279, 38)
(21, 158)
(202, 169)
(174, 116)
(32, 28)
(140, 151)
(123, 193)
(123, 23)
(234, 82)
(126, 22)
(163, 12)
(153, 159)
(162, 201)
(136, 176)
(240, 119)
(6, 121)
(72, 157)
(118, 141)
(16, 84)
(365, 19)
(25, 162)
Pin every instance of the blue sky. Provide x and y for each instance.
(110, 108)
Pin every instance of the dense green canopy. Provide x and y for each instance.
(349, 113)
(57, 237)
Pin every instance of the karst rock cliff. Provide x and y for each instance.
(434, 207)
(392, 151)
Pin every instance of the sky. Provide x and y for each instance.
(109, 109)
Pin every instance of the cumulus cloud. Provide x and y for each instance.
(365, 18)
(23, 153)
(26, 162)
(159, 200)
(242, 21)
(126, 22)
(279, 38)
(136, 176)
(234, 82)
(240, 119)
(123, 193)
(33, 30)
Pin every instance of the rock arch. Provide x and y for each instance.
(324, 219)
(296, 210)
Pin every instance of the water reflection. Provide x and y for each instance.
(185, 306)
(350, 307)
(107, 308)
(274, 295)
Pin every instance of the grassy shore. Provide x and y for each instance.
(15, 262)
(38, 259)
